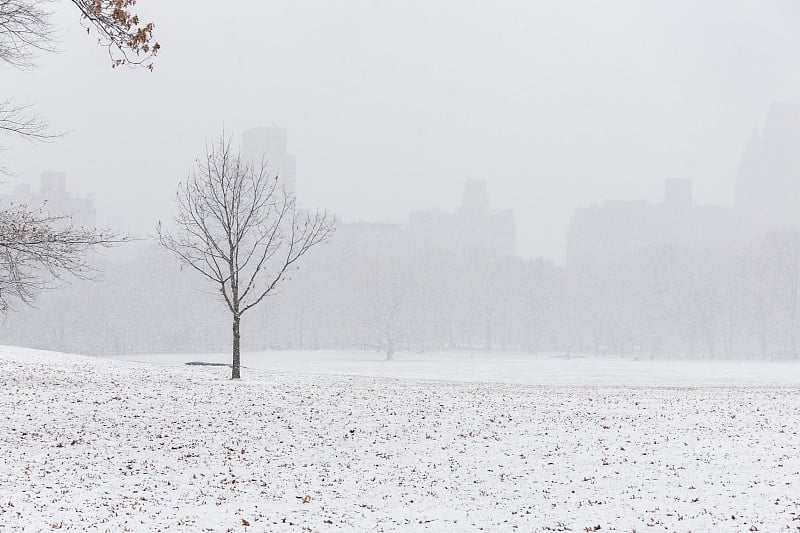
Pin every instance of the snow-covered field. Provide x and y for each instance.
(332, 444)
(509, 367)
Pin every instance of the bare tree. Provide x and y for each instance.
(382, 292)
(241, 230)
(786, 242)
(37, 248)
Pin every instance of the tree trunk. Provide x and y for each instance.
(236, 351)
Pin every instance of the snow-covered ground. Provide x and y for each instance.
(505, 367)
(332, 444)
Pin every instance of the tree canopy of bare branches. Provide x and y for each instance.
(37, 248)
(25, 29)
(240, 229)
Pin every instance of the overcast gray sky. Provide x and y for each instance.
(391, 105)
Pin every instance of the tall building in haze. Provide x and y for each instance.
(768, 187)
(53, 198)
(767, 197)
(268, 143)
(617, 229)
(475, 228)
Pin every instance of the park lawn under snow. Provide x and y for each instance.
(101, 444)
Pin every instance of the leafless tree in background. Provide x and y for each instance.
(787, 249)
(382, 293)
(240, 229)
(37, 248)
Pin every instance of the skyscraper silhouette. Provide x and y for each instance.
(268, 143)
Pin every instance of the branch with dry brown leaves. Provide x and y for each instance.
(26, 29)
(129, 40)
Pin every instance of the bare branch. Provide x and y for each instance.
(24, 30)
(17, 119)
(37, 249)
(128, 40)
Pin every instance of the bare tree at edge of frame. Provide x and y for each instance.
(240, 229)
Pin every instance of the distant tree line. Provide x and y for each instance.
(659, 302)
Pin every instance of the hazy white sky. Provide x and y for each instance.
(391, 105)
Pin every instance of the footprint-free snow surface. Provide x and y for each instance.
(108, 445)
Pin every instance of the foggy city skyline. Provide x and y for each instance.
(553, 120)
